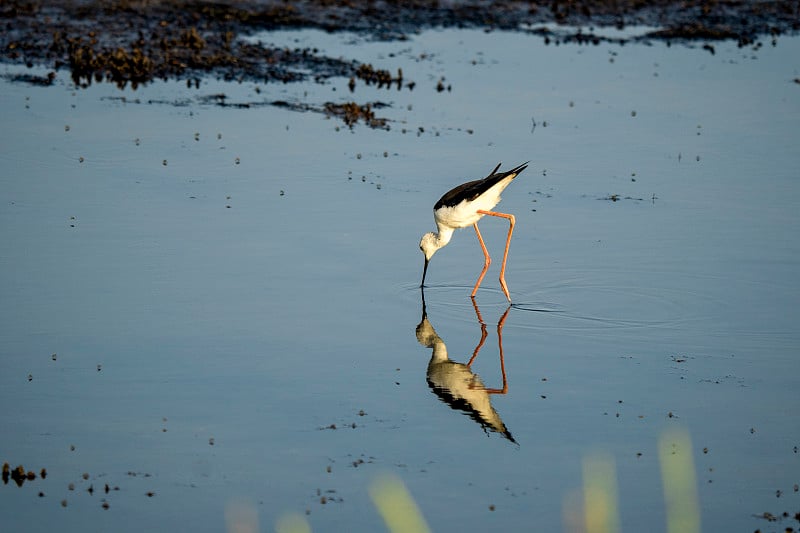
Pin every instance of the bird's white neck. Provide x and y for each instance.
(443, 236)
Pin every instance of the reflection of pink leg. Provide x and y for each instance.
(483, 332)
(511, 222)
(502, 359)
(487, 259)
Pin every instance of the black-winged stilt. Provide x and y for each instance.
(465, 205)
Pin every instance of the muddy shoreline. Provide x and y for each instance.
(133, 42)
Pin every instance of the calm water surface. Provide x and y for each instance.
(216, 312)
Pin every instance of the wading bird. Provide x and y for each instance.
(465, 205)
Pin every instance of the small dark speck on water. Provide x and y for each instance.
(164, 162)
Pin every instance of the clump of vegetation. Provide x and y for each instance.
(351, 113)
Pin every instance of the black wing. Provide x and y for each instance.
(472, 189)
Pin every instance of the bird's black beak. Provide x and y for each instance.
(424, 271)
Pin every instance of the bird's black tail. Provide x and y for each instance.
(515, 170)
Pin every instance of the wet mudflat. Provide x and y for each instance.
(212, 314)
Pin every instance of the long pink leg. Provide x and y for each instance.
(511, 222)
(487, 260)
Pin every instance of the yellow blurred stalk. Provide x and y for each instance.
(396, 505)
(600, 494)
(292, 523)
(678, 478)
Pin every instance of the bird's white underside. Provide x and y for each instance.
(466, 213)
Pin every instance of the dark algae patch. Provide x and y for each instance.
(137, 41)
(133, 42)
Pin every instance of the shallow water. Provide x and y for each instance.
(195, 296)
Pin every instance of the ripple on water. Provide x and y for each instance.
(617, 300)
(594, 300)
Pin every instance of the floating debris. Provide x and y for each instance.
(19, 474)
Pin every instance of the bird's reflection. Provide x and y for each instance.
(455, 383)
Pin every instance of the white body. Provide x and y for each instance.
(461, 215)
(466, 213)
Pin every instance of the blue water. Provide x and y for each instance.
(195, 296)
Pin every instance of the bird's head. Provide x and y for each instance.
(428, 246)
